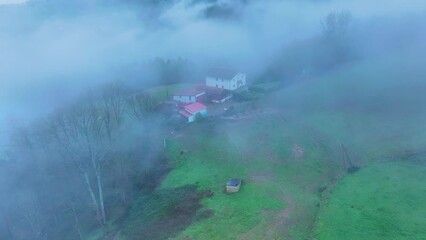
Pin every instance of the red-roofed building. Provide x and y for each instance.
(192, 110)
(190, 95)
(185, 113)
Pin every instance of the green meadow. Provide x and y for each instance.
(382, 201)
(290, 159)
(279, 196)
(376, 110)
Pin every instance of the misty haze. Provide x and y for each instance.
(212, 119)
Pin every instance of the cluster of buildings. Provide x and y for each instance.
(219, 86)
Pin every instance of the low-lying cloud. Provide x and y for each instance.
(50, 53)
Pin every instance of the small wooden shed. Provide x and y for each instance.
(233, 185)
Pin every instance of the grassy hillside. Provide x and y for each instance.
(376, 109)
(283, 166)
(382, 201)
(289, 156)
(279, 196)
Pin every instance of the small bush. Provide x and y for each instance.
(247, 96)
(266, 87)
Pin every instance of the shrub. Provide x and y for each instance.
(247, 96)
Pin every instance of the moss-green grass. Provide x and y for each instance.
(376, 108)
(373, 107)
(209, 167)
(259, 148)
(383, 201)
(267, 87)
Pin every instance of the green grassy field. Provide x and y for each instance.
(279, 196)
(287, 158)
(366, 106)
(382, 201)
(375, 107)
(376, 110)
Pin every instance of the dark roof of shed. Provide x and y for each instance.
(189, 92)
(224, 73)
(233, 182)
(215, 90)
(185, 113)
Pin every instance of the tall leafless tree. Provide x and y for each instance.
(30, 213)
(82, 135)
(336, 24)
(113, 104)
(141, 104)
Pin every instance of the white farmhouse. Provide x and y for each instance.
(225, 79)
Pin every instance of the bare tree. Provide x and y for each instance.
(113, 104)
(336, 24)
(21, 138)
(140, 105)
(337, 45)
(5, 216)
(30, 213)
(82, 135)
(72, 207)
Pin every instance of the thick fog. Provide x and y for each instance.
(53, 52)
(50, 52)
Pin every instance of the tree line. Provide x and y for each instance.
(79, 168)
(335, 45)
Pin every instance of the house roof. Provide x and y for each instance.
(233, 182)
(185, 113)
(189, 92)
(224, 73)
(215, 90)
(195, 107)
(200, 87)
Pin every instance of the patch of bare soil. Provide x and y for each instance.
(298, 152)
(165, 213)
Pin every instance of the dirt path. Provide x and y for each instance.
(325, 196)
(278, 226)
(281, 224)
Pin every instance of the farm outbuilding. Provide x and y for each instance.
(190, 111)
(233, 185)
(218, 95)
(190, 95)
